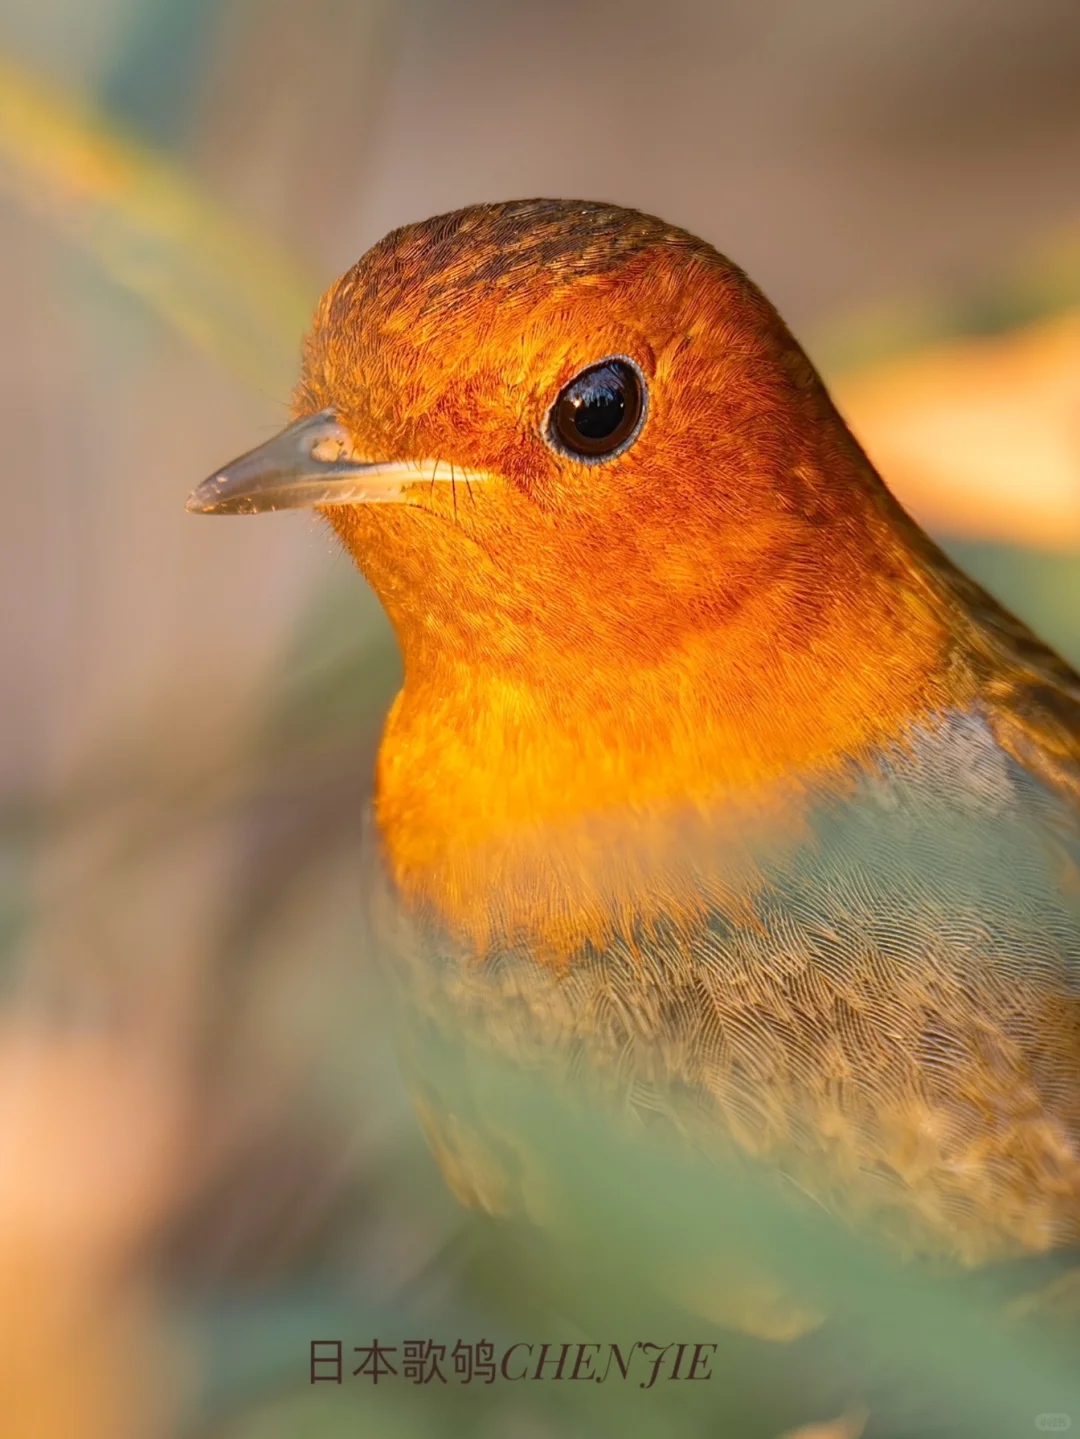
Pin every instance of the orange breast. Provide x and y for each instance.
(558, 816)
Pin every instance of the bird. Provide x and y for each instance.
(707, 764)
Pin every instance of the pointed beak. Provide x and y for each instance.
(307, 465)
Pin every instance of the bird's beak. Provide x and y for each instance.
(306, 465)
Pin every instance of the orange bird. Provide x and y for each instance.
(706, 763)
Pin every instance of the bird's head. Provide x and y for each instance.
(631, 552)
(549, 430)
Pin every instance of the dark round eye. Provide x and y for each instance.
(599, 412)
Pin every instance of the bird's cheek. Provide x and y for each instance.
(530, 476)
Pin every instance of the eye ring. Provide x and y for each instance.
(600, 412)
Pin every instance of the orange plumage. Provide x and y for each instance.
(666, 628)
(706, 759)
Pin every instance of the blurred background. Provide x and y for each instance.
(206, 1158)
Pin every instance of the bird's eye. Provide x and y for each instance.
(599, 412)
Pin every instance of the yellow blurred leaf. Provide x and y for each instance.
(150, 227)
(980, 437)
